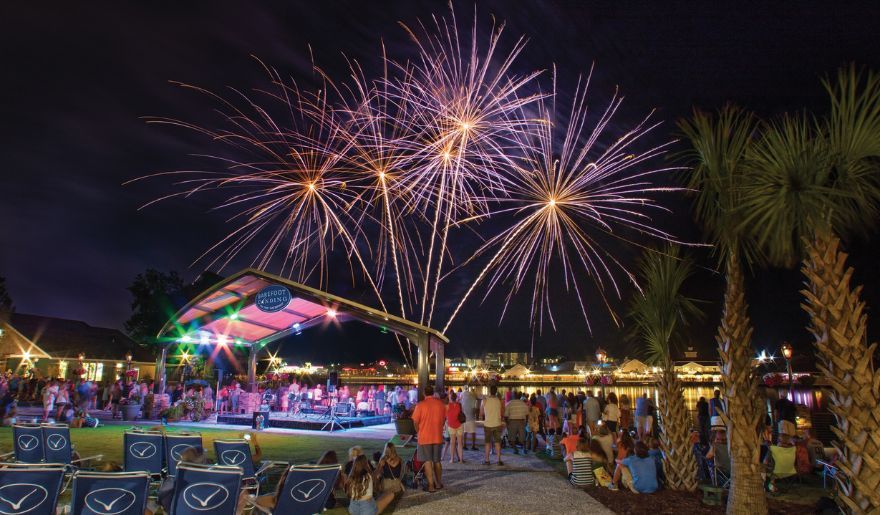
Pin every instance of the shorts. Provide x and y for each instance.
(366, 507)
(456, 431)
(430, 452)
(492, 434)
(470, 426)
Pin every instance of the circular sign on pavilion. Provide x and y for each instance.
(272, 298)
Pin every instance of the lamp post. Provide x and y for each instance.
(601, 356)
(128, 358)
(787, 353)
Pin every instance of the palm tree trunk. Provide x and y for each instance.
(839, 324)
(743, 409)
(679, 465)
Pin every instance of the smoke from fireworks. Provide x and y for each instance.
(390, 171)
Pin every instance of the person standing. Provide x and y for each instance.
(412, 397)
(611, 414)
(786, 415)
(380, 400)
(516, 412)
(428, 418)
(716, 405)
(492, 413)
(469, 408)
(234, 396)
(592, 411)
(642, 414)
(703, 420)
(454, 422)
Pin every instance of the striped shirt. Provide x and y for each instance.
(582, 470)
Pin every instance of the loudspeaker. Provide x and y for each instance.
(332, 381)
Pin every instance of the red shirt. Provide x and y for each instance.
(452, 415)
(570, 443)
(429, 416)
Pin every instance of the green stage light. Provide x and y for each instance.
(233, 316)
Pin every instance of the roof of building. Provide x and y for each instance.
(229, 311)
(56, 338)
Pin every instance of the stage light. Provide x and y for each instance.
(186, 338)
(233, 316)
(296, 326)
(206, 339)
(238, 341)
(26, 356)
(221, 339)
(331, 313)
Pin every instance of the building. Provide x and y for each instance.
(51, 347)
(505, 359)
(551, 360)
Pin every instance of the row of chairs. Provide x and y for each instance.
(198, 489)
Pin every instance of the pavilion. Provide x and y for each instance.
(253, 308)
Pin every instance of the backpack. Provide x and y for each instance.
(802, 460)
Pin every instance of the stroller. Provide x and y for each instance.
(414, 473)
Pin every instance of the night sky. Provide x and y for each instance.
(79, 78)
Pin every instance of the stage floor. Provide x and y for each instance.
(310, 422)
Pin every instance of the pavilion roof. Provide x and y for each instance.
(227, 312)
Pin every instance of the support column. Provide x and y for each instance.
(252, 368)
(161, 379)
(424, 366)
(439, 364)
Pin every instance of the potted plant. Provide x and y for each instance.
(131, 406)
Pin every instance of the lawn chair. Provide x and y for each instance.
(58, 448)
(175, 445)
(206, 489)
(782, 470)
(237, 453)
(30, 488)
(305, 490)
(28, 441)
(143, 452)
(110, 493)
(405, 431)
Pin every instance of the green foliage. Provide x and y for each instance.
(6, 306)
(716, 175)
(808, 174)
(152, 303)
(661, 312)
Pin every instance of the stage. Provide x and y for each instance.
(313, 422)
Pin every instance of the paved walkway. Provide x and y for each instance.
(522, 486)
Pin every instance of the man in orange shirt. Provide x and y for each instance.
(428, 418)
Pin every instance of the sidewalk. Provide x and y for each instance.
(524, 485)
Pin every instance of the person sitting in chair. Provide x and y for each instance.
(780, 461)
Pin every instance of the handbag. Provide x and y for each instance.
(462, 418)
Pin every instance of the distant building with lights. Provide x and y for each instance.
(51, 347)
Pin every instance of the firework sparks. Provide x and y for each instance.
(564, 196)
(388, 171)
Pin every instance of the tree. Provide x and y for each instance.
(811, 181)
(6, 306)
(660, 314)
(717, 175)
(152, 304)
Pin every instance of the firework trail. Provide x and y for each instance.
(387, 171)
(563, 196)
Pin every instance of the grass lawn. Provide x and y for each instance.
(294, 448)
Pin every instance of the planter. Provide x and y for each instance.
(130, 411)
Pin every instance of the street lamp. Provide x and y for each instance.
(128, 357)
(787, 353)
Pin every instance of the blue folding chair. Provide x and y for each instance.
(175, 445)
(144, 452)
(201, 489)
(110, 493)
(30, 488)
(237, 453)
(305, 490)
(58, 448)
(28, 441)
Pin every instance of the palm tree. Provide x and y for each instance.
(812, 180)
(718, 147)
(660, 313)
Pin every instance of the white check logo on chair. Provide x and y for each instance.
(205, 496)
(19, 498)
(56, 442)
(305, 491)
(109, 501)
(142, 450)
(178, 449)
(232, 457)
(28, 442)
